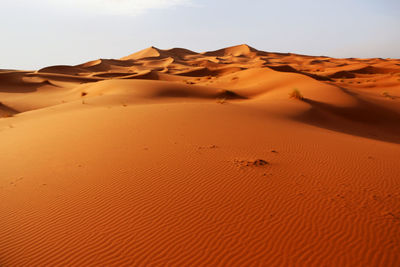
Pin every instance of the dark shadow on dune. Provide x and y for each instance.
(287, 68)
(228, 94)
(6, 111)
(12, 82)
(19, 89)
(365, 119)
(65, 77)
(25, 87)
(221, 94)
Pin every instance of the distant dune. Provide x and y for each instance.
(234, 157)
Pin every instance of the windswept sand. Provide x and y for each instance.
(178, 158)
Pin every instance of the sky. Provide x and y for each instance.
(40, 33)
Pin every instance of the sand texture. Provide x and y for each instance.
(234, 157)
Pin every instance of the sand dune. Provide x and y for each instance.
(178, 158)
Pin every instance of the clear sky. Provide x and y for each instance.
(40, 33)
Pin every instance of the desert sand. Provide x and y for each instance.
(178, 158)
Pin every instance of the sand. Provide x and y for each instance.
(178, 158)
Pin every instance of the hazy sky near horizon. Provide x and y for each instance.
(35, 34)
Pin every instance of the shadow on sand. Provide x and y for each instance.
(365, 119)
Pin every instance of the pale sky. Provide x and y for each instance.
(39, 33)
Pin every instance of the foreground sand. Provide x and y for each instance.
(170, 157)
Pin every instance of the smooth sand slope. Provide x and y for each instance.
(178, 158)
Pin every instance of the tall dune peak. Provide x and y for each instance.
(145, 53)
(237, 50)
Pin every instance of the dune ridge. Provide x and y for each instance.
(179, 158)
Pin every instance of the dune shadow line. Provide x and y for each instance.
(365, 119)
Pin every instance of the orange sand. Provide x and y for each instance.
(171, 157)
